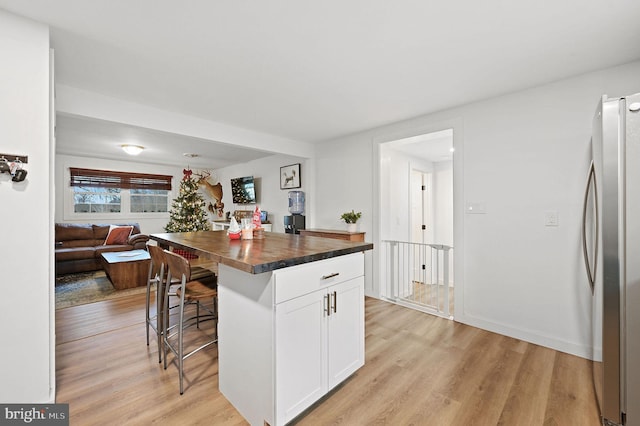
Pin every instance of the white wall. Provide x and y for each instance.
(524, 153)
(26, 305)
(344, 176)
(149, 223)
(266, 172)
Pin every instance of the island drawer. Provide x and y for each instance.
(303, 279)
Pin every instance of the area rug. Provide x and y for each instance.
(88, 287)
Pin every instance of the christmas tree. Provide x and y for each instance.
(188, 210)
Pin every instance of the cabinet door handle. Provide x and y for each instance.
(327, 304)
(326, 277)
(335, 302)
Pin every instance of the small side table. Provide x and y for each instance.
(126, 269)
(333, 233)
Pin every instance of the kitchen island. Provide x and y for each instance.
(291, 312)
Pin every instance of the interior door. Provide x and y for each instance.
(421, 191)
(422, 227)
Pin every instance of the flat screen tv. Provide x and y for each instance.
(243, 190)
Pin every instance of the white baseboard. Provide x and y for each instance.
(582, 351)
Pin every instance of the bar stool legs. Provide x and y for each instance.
(156, 277)
(189, 291)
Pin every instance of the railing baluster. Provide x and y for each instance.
(410, 283)
(445, 267)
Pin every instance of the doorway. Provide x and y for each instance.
(416, 228)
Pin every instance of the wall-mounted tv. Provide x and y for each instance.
(243, 190)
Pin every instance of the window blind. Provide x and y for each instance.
(124, 180)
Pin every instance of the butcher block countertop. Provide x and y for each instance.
(274, 251)
(333, 233)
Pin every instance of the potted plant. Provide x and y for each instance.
(351, 219)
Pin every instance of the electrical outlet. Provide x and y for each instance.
(551, 218)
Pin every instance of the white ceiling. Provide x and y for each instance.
(82, 136)
(316, 70)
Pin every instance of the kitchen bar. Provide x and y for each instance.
(291, 314)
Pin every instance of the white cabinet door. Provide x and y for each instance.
(319, 335)
(301, 351)
(345, 330)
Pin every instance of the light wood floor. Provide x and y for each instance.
(420, 370)
(430, 296)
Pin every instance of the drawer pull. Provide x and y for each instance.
(326, 277)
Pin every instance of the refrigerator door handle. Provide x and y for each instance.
(591, 270)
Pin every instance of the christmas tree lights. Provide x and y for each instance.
(188, 210)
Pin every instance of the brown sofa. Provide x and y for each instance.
(79, 245)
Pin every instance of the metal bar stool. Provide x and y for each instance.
(189, 290)
(157, 276)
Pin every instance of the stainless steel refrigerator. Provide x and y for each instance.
(611, 244)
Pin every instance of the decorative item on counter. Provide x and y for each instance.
(258, 231)
(256, 218)
(234, 229)
(351, 219)
(247, 228)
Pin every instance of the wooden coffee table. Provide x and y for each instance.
(127, 269)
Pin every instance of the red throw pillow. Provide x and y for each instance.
(118, 235)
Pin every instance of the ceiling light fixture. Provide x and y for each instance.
(132, 149)
(190, 155)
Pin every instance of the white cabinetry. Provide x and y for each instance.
(346, 331)
(289, 336)
(319, 343)
(301, 355)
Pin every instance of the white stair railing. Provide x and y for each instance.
(418, 275)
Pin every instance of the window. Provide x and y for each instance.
(107, 192)
(149, 200)
(96, 200)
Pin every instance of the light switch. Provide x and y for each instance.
(475, 207)
(551, 218)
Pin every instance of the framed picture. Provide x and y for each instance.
(290, 176)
